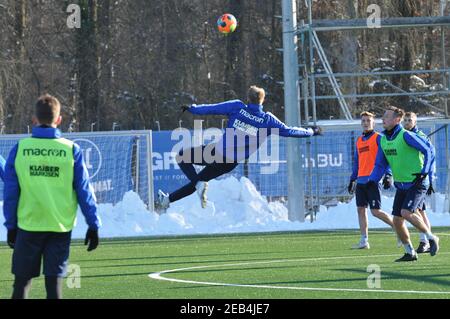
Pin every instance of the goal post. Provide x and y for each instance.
(117, 162)
(296, 201)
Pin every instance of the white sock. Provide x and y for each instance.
(364, 238)
(423, 238)
(429, 236)
(409, 249)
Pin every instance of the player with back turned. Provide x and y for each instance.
(45, 180)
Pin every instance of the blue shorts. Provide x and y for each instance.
(368, 194)
(31, 248)
(410, 199)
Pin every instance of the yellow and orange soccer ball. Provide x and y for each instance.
(227, 23)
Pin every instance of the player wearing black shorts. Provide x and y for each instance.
(367, 146)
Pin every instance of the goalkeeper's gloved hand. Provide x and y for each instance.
(184, 108)
(419, 178)
(430, 190)
(317, 130)
(11, 237)
(92, 239)
(351, 186)
(387, 181)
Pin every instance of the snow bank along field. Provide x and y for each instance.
(244, 249)
(235, 207)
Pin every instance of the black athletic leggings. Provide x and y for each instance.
(211, 170)
(22, 286)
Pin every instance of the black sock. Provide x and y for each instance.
(182, 192)
(53, 286)
(21, 287)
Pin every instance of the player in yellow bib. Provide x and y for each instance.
(410, 159)
(45, 181)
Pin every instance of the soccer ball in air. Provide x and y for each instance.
(227, 23)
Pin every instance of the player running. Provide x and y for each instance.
(410, 158)
(367, 194)
(410, 124)
(248, 127)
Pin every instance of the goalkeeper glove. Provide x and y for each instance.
(317, 130)
(92, 239)
(184, 108)
(351, 186)
(419, 179)
(11, 237)
(387, 181)
(430, 190)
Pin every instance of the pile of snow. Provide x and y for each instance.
(234, 206)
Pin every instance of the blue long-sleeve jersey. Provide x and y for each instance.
(433, 149)
(2, 167)
(355, 166)
(412, 140)
(248, 127)
(85, 194)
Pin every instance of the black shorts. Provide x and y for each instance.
(368, 194)
(410, 199)
(31, 248)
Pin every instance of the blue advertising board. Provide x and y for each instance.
(111, 161)
(326, 173)
(108, 159)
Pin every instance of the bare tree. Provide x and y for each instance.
(88, 60)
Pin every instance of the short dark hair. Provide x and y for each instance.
(255, 95)
(47, 109)
(398, 112)
(411, 114)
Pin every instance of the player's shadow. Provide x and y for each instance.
(419, 275)
(187, 271)
(117, 275)
(391, 275)
(227, 269)
(195, 262)
(181, 256)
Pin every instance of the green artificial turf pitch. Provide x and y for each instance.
(276, 265)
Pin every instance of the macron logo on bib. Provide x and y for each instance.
(251, 116)
(44, 152)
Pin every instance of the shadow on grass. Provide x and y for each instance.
(403, 275)
(180, 256)
(385, 275)
(188, 237)
(207, 270)
(226, 261)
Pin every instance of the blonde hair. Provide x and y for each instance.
(365, 113)
(255, 95)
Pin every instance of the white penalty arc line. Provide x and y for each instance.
(159, 276)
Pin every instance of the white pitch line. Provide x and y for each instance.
(158, 276)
